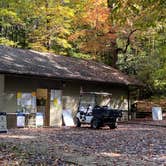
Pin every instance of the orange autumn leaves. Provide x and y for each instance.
(93, 28)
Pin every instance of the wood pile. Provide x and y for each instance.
(146, 106)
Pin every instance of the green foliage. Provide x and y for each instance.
(7, 42)
(81, 55)
(8, 18)
(140, 28)
(146, 59)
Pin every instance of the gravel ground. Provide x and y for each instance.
(149, 122)
(129, 144)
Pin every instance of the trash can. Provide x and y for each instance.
(20, 119)
(3, 122)
(39, 119)
(157, 113)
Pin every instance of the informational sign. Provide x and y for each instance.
(19, 96)
(26, 102)
(33, 101)
(26, 99)
(3, 122)
(67, 117)
(39, 119)
(56, 108)
(55, 102)
(20, 120)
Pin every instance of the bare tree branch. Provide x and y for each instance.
(128, 42)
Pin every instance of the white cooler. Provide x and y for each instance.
(157, 113)
(20, 120)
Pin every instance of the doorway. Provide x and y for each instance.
(42, 102)
(49, 103)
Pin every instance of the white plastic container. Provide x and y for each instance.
(157, 113)
(39, 119)
(20, 120)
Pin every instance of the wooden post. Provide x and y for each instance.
(47, 113)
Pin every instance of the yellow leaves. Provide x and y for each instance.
(96, 14)
(10, 17)
(63, 43)
(38, 46)
(7, 42)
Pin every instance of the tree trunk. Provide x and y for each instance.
(113, 53)
(47, 42)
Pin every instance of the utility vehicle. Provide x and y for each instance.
(97, 116)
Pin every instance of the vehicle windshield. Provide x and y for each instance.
(88, 101)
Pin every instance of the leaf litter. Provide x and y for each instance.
(129, 144)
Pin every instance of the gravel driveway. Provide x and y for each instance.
(129, 144)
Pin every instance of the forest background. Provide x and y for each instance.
(126, 34)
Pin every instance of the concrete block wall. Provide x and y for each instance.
(70, 97)
(70, 91)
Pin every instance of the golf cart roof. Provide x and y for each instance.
(97, 93)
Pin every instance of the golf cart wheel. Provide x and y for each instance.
(77, 122)
(95, 124)
(113, 126)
